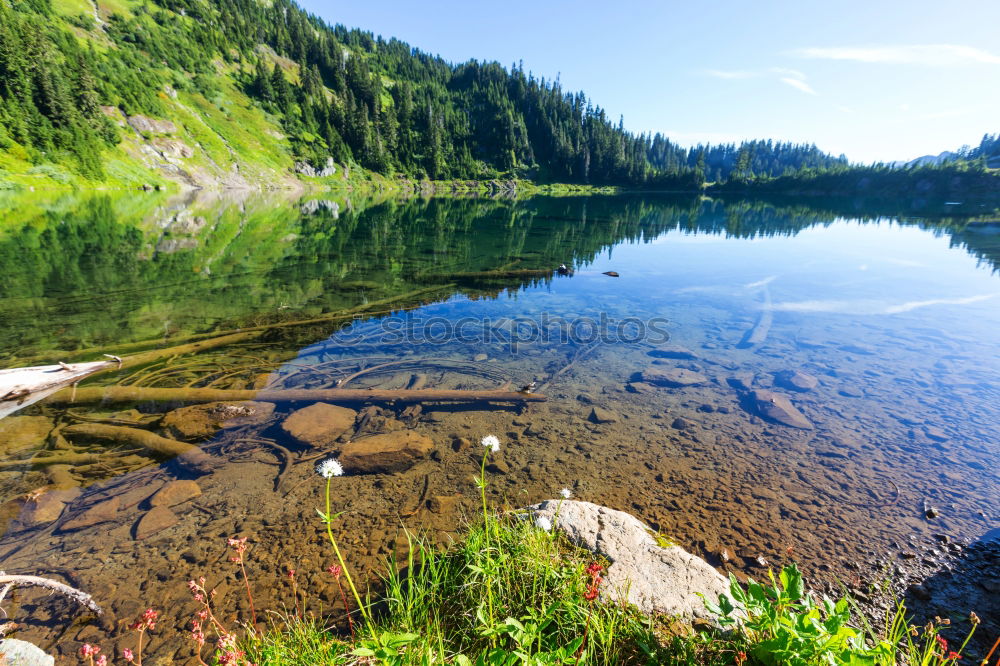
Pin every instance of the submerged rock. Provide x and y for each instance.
(656, 578)
(101, 512)
(47, 507)
(18, 433)
(672, 377)
(381, 454)
(153, 521)
(175, 492)
(673, 351)
(796, 380)
(601, 415)
(779, 408)
(319, 425)
(203, 421)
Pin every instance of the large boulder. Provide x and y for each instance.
(319, 425)
(16, 652)
(655, 577)
(387, 453)
(778, 408)
(673, 377)
(198, 422)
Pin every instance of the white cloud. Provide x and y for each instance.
(731, 74)
(791, 77)
(914, 54)
(798, 84)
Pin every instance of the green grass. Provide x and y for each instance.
(508, 592)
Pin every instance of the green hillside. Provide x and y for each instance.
(232, 93)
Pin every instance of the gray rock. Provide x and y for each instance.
(656, 578)
(14, 652)
(778, 408)
(796, 380)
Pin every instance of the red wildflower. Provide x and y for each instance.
(741, 657)
(954, 655)
(335, 570)
(89, 650)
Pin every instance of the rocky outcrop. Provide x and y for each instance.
(309, 170)
(382, 454)
(152, 125)
(655, 577)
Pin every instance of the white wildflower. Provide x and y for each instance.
(329, 467)
(543, 523)
(566, 493)
(492, 442)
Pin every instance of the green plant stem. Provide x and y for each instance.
(340, 558)
(487, 578)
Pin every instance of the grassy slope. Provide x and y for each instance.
(225, 133)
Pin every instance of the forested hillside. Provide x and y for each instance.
(200, 90)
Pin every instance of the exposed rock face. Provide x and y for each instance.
(796, 380)
(18, 433)
(307, 169)
(391, 452)
(173, 148)
(16, 652)
(319, 425)
(203, 421)
(656, 579)
(672, 377)
(146, 124)
(742, 381)
(779, 408)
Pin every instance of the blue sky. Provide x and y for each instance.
(876, 80)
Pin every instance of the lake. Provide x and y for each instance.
(760, 381)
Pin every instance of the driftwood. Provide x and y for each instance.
(118, 394)
(20, 387)
(82, 598)
(188, 453)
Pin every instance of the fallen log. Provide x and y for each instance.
(118, 394)
(758, 334)
(189, 454)
(20, 387)
(8, 581)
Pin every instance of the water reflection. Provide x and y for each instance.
(878, 330)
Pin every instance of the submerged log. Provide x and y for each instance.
(758, 334)
(189, 454)
(117, 394)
